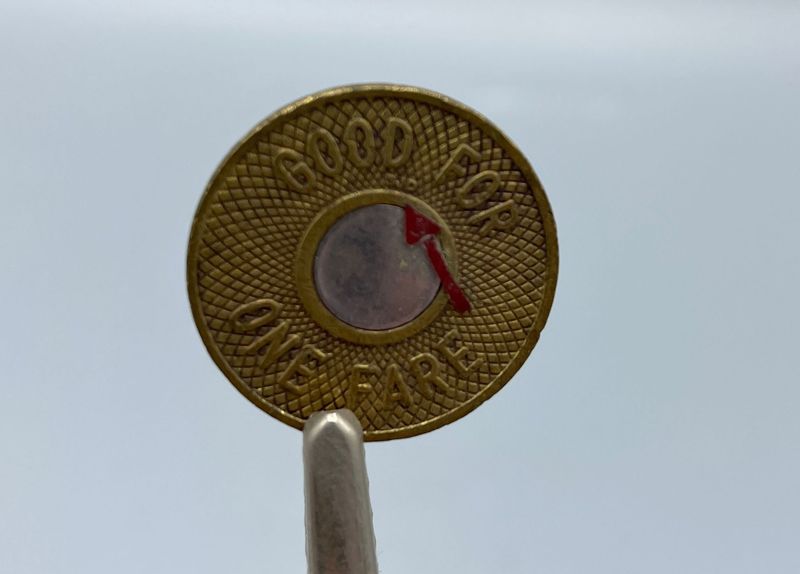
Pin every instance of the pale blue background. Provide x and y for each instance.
(654, 430)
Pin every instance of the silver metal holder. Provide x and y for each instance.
(339, 534)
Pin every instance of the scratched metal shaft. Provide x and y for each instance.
(339, 534)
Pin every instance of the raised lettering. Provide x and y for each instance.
(292, 169)
(303, 363)
(396, 389)
(453, 165)
(478, 189)
(276, 343)
(328, 156)
(426, 369)
(397, 134)
(501, 216)
(358, 386)
(456, 355)
(265, 311)
(361, 151)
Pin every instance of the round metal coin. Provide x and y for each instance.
(377, 247)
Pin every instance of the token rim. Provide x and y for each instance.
(445, 103)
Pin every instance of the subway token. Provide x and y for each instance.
(380, 248)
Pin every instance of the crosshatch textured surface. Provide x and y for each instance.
(254, 214)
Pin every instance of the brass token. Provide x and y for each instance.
(377, 247)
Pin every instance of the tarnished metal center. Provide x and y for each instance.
(367, 275)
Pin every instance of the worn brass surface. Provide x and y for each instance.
(256, 230)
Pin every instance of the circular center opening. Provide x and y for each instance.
(367, 275)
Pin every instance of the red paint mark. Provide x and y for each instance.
(420, 228)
